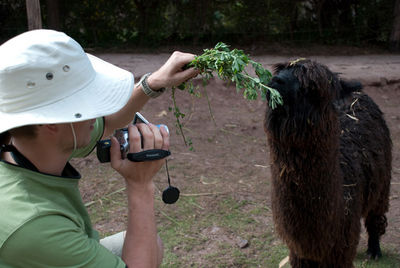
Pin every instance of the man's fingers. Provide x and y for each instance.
(187, 74)
(158, 139)
(115, 153)
(185, 57)
(182, 60)
(165, 136)
(134, 139)
(173, 68)
(147, 136)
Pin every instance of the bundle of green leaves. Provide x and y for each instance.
(230, 65)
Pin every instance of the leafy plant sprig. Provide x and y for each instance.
(230, 65)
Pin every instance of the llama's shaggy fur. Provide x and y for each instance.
(331, 165)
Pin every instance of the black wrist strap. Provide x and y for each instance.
(148, 155)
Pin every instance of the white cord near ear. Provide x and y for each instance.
(73, 134)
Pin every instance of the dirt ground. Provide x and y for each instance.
(230, 157)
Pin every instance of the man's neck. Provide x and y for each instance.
(46, 158)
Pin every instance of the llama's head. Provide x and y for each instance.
(309, 91)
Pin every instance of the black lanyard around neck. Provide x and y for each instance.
(69, 171)
(18, 157)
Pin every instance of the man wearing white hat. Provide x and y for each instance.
(56, 102)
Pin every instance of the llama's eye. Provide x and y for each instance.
(279, 80)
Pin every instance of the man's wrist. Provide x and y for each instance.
(139, 188)
(140, 197)
(154, 83)
(149, 86)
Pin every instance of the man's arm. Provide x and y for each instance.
(141, 247)
(170, 74)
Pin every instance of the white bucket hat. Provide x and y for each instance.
(46, 77)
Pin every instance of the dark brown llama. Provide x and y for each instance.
(331, 166)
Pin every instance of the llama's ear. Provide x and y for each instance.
(279, 67)
(350, 86)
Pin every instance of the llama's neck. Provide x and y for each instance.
(306, 194)
(306, 157)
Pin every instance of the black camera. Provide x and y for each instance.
(103, 146)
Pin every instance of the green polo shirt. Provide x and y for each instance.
(43, 221)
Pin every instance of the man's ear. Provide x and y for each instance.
(349, 86)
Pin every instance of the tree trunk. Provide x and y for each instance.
(34, 15)
(395, 36)
(53, 14)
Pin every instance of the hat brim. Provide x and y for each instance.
(106, 94)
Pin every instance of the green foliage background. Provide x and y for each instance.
(125, 23)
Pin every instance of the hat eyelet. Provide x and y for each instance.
(66, 68)
(30, 84)
(49, 76)
(78, 115)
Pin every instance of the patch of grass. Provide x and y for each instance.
(192, 234)
(177, 230)
(269, 250)
(201, 231)
(276, 255)
(107, 208)
(172, 261)
(219, 256)
(187, 232)
(389, 259)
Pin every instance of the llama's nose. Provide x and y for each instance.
(267, 94)
(271, 84)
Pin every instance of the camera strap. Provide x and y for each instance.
(148, 155)
(171, 194)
